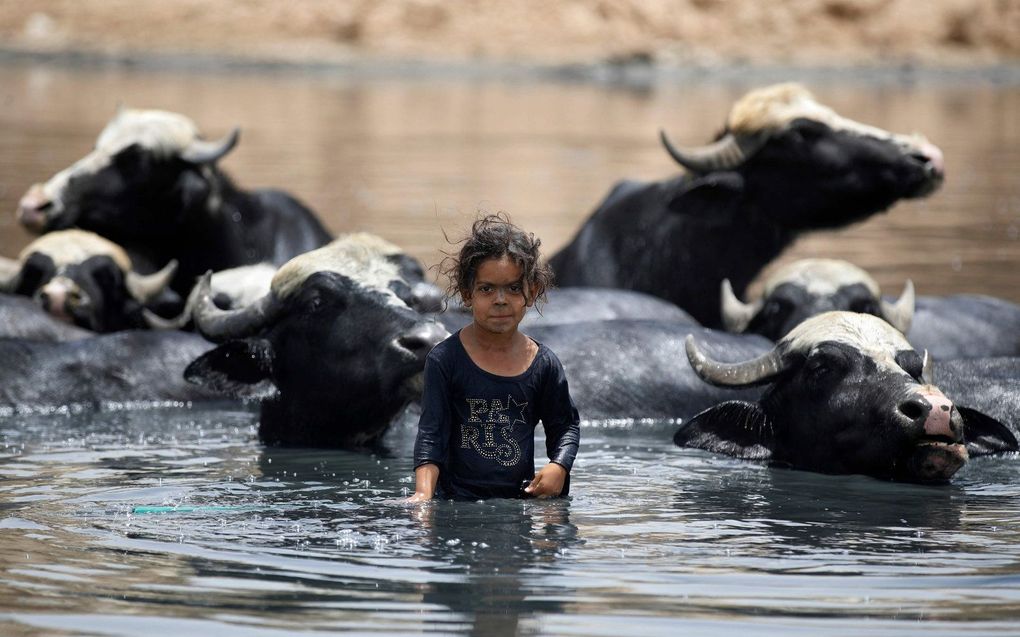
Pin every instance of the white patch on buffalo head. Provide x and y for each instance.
(773, 107)
(69, 247)
(359, 256)
(160, 132)
(821, 277)
(869, 334)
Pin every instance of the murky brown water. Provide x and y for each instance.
(408, 159)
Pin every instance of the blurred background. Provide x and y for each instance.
(407, 117)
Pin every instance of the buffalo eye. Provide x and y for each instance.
(825, 366)
(910, 362)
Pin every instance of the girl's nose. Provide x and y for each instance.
(500, 295)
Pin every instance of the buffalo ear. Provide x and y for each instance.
(985, 435)
(735, 428)
(712, 193)
(240, 368)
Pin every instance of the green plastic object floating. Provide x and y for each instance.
(143, 510)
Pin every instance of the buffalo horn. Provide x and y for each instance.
(10, 274)
(200, 151)
(157, 322)
(928, 369)
(901, 313)
(220, 325)
(145, 287)
(736, 314)
(725, 154)
(753, 372)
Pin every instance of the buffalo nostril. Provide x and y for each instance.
(422, 339)
(413, 342)
(914, 409)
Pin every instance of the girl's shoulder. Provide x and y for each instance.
(447, 350)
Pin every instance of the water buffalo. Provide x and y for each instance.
(846, 394)
(83, 279)
(636, 369)
(959, 326)
(332, 352)
(129, 366)
(152, 185)
(21, 317)
(241, 286)
(580, 305)
(805, 288)
(986, 385)
(783, 165)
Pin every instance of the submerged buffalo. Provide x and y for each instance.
(846, 393)
(239, 287)
(331, 351)
(783, 165)
(808, 287)
(83, 279)
(129, 366)
(585, 305)
(958, 326)
(152, 185)
(22, 318)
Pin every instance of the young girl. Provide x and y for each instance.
(488, 385)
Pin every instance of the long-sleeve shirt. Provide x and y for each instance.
(479, 427)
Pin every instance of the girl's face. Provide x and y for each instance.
(499, 298)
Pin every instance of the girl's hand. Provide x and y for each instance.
(548, 481)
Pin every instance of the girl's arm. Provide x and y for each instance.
(430, 447)
(425, 478)
(562, 434)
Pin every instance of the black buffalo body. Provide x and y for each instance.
(152, 186)
(783, 166)
(129, 366)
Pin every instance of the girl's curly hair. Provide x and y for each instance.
(492, 237)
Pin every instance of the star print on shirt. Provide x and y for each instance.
(516, 409)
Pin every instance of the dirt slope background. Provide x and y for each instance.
(661, 33)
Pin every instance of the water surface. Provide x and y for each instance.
(114, 521)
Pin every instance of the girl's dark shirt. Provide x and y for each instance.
(479, 427)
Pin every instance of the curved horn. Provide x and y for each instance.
(145, 287)
(157, 322)
(927, 369)
(901, 313)
(220, 325)
(753, 372)
(736, 314)
(200, 151)
(10, 274)
(724, 154)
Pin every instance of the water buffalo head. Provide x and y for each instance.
(804, 165)
(846, 394)
(333, 352)
(808, 287)
(83, 279)
(142, 160)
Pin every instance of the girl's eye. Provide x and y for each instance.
(485, 289)
(516, 289)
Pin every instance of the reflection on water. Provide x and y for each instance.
(407, 159)
(115, 519)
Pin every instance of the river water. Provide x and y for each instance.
(169, 520)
